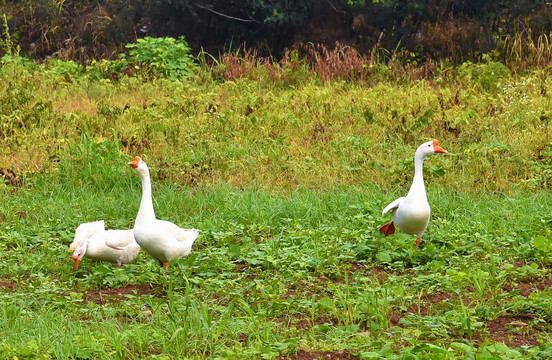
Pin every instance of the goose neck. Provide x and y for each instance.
(418, 187)
(146, 205)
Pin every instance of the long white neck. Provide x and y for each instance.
(146, 211)
(417, 189)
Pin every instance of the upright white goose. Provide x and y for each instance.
(93, 241)
(411, 213)
(161, 239)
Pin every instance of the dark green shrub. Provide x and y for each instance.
(167, 57)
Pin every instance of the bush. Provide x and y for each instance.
(168, 57)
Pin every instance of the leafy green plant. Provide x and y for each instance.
(543, 244)
(68, 70)
(167, 57)
(490, 75)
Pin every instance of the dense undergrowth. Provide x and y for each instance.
(334, 120)
(284, 167)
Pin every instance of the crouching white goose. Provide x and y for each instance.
(93, 241)
(161, 239)
(411, 213)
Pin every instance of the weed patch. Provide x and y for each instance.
(285, 171)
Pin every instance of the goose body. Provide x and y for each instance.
(93, 241)
(411, 213)
(161, 239)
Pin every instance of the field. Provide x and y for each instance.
(286, 179)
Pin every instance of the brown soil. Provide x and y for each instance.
(240, 266)
(528, 286)
(514, 331)
(102, 296)
(304, 323)
(7, 284)
(319, 355)
(510, 330)
(380, 274)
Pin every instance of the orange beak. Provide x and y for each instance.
(77, 262)
(437, 148)
(135, 162)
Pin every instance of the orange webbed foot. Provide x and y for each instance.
(388, 228)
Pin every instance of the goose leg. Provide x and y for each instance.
(167, 265)
(418, 241)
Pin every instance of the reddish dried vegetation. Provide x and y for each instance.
(342, 62)
(7, 284)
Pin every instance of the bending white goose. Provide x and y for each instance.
(93, 241)
(161, 239)
(411, 213)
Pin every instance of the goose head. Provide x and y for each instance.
(79, 252)
(83, 233)
(139, 166)
(429, 148)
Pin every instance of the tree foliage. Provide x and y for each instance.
(454, 29)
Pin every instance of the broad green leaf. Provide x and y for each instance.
(383, 256)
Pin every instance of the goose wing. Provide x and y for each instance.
(119, 239)
(180, 234)
(395, 204)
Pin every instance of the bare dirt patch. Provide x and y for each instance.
(102, 296)
(379, 273)
(304, 323)
(240, 266)
(528, 286)
(7, 284)
(513, 331)
(319, 355)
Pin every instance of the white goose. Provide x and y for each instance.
(93, 241)
(161, 239)
(411, 213)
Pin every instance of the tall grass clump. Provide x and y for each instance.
(525, 51)
(7, 44)
(92, 163)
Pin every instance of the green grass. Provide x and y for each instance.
(271, 274)
(286, 183)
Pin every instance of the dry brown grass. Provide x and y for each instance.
(524, 51)
(341, 62)
(453, 40)
(236, 65)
